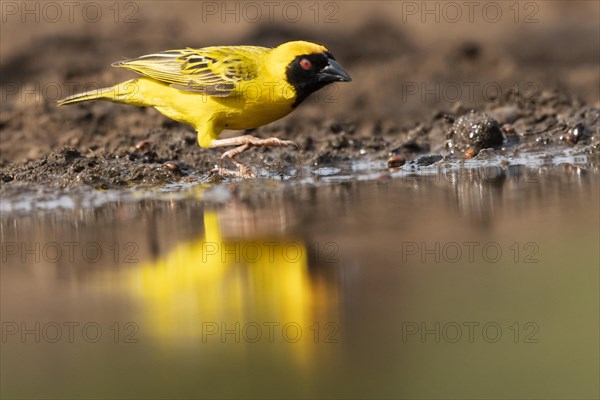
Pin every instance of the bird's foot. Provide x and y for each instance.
(242, 172)
(245, 142)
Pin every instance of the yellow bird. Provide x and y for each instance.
(227, 87)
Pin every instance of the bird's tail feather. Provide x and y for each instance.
(120, 93)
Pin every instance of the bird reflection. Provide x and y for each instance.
(216, 289)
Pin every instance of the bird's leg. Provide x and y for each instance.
(244, 171)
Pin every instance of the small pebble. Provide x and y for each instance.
(396, 161)
(508, 128)
(569, 137)
(575, 134)
(469, 153)
(173, 167)
(7, 178)
(142, 144)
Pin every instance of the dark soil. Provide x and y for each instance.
(542, 105)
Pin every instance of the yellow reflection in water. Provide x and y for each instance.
(213, 290)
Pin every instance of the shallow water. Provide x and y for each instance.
(345, 282)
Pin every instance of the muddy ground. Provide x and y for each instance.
(407, 99)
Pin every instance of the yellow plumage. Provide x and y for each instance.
(216, 88)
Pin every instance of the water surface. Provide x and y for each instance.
(472, 283)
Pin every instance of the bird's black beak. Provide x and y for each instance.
(333, 72)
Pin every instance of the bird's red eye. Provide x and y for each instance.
(305, 64)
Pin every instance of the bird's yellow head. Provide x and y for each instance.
(306, 66)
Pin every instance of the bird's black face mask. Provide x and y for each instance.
(309, 73)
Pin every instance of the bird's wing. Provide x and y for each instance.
(216, 71)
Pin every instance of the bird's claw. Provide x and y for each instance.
(273, 142)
